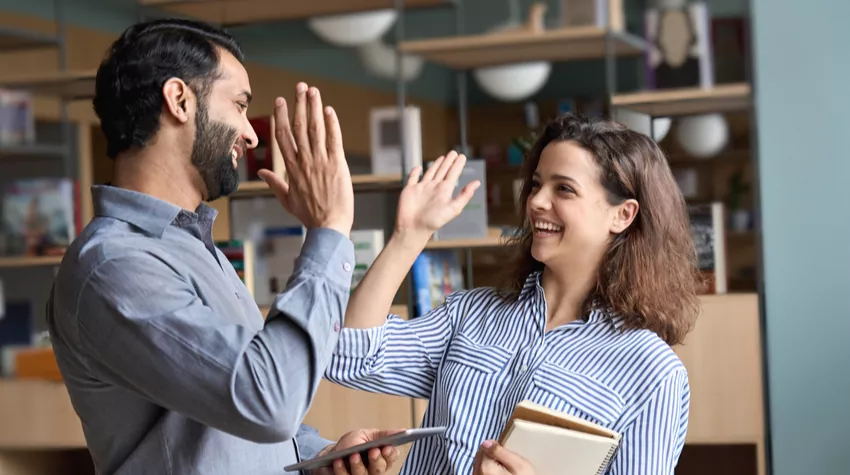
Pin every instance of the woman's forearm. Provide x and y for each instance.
(373, 296)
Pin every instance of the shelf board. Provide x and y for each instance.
(34, 150)
(494, 239)
(687, 101)
(28, 261)
(360, 183)
(38, 415)
(236, 12)
(17, 39)
(562, 44)
(69, 85)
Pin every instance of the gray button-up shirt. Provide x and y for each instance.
(168, 361)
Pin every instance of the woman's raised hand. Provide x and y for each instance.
(427, 204)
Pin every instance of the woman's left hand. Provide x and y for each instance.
(426, 204)
(493, 459)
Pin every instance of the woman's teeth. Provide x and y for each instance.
(548, 227)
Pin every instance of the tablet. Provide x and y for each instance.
(400, 438)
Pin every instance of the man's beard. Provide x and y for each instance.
(211, 154)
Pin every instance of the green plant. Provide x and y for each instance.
(736, 190)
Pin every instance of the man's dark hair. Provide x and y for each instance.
(128, 92)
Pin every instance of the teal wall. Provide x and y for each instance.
(296, 48)
(803, 105)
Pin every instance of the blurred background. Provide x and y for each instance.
(747, 98)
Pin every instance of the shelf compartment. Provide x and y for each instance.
(70, 85)
(8, 262)
(687, 101)
(360, 183)
(236, 12)
(494, 238)
(562, 44)
(16, 39)
(37, 415)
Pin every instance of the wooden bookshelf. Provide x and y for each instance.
(360, 182)
(29, 261)
(562, 44)
(234, 12)
(494, 239)
(37, 415)
(69, 84)
(687, 101)
(17, 39)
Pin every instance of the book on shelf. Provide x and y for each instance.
(558, 443)
(708, 231)
(435, 275)
(40, 216)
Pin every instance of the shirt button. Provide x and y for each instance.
(336, 327)
(523, 368)
(346, 266)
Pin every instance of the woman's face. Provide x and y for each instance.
(567, 208)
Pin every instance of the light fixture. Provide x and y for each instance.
(513, 82)
(353, 29)
(639, 122)
(703, 136)
(380, 60)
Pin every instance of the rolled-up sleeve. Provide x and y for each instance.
(145, 328)
(399, 358)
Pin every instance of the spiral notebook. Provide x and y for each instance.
(557, 443)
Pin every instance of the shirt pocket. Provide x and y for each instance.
(576, 394)
(481, 358)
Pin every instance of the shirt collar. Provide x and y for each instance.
(151, 215)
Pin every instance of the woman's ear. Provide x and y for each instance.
(624, 214)
(177, 97)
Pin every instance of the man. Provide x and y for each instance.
(167, 359)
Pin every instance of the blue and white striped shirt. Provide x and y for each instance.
(477, 356)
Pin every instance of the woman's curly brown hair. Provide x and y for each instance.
(649, 275)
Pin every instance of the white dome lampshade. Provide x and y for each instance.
(639, 122)
(353, 29)
(703, 136)
(513, 82)
(380, 60)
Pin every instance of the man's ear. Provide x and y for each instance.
(625, 214)
(178, 99)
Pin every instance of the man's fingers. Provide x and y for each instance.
(456, 168)
(357, 465)
(377, 463)
(283, 131)
(316, 124)
(334, 133)
(299, 122)
(339, 468)
(390, 453)
(279, 187)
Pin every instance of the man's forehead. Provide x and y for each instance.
(232, 72)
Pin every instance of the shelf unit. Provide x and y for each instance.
(62, 84)
(241, 12)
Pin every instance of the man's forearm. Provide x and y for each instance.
(374, 295)
(284, 363)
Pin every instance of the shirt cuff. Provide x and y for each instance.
(328, 253)
(362, 342)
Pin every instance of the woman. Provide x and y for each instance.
(603, 281)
